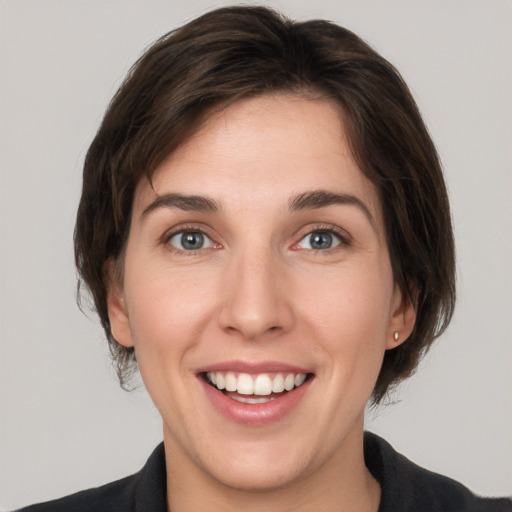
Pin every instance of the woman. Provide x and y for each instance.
(265, 231)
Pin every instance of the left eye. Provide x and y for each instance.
(319, 240)
(190, 241)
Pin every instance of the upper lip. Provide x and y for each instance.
(252, 367)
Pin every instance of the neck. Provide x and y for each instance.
(342, 483)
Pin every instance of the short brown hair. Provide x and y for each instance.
(237, 52)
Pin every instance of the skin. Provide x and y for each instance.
(257, 291)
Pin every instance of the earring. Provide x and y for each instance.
(395, 336)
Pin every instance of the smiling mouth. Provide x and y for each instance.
(255, 389)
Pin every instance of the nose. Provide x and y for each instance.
(256, 303)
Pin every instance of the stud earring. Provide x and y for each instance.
(395, 336)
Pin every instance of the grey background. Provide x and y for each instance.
(64, 423)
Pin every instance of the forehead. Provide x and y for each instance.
(263, 150)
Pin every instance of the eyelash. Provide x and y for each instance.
(342, 236)
(188, 229)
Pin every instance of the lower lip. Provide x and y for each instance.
(255, 414)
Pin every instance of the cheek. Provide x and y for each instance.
(363, 293)
(167, 310)
(352, 312)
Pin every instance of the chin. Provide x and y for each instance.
(253, 465)
(258, 476)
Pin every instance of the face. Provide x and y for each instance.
(257, 263)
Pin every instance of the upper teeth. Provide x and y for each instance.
(261, 384)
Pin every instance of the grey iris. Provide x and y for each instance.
(320, 240)
(192, 240)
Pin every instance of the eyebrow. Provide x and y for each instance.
(182, 202)
(322, 198)
(306, 201)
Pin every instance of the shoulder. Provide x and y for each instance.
(142, 491)
(408, 487)
(111, 497)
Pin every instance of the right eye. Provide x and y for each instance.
(190, 241)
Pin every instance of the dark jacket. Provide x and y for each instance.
(405, 488)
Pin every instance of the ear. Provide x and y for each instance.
(116, 305)
(402, 319)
